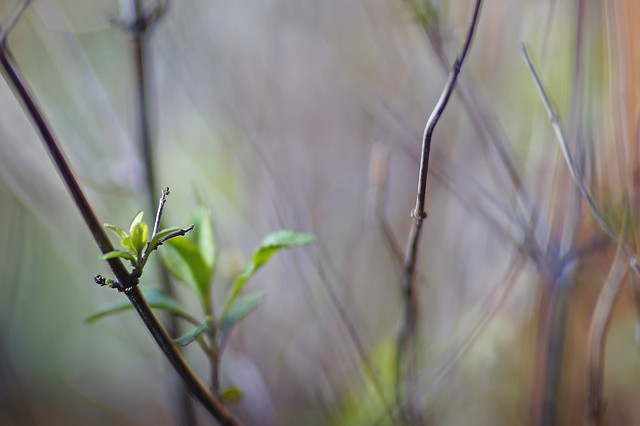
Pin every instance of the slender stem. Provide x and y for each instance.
(214, 352)
(127, 282)
(139, 30)
(407, 334)
(195, 386)
(163, 199)
(437, 113)
(573, 168)
(598, 331)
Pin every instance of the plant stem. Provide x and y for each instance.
(406, 338)
(195, 386)
(214, 348)
(127, 282)
(139, 31)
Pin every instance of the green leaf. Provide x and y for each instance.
(137, 218)
(189, 337)
(278, 240)
(231, 394)
(273, 242)
(160, 235)
(155, 298)
(128, 244)
(121, 232)
(118, 253)
(203, 236)
(139, 235)
(240, 308)
(183, 259)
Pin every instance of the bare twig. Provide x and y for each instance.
(573, 169)
(163, 199)
(406, 337)
(127, 281)
(598, 337)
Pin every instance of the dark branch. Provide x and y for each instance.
(126, 281)
(406, 338)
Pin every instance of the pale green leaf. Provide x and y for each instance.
(139, 235)
(137, 218)
(128, 244)
(119, 231)
(118, 253)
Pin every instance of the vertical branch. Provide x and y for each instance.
(405, 361)
(139, 29)
(127, 282)
(598, 338)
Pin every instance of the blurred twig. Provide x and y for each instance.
(573, 169)
(405, 359)
(598, 335)
(127, 281)
(576, 174)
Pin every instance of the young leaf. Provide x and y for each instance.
(128, 244)
(273, 242)
(203, 235)
(189, 337)
(241, 307)
(183, 259)
(118, 253)
(160, 235)
(155, 298)
(137, 218)
(231, 394)
(121, 232)
(278, 240)
(139, 235)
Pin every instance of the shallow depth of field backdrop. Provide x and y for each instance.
(307, 115)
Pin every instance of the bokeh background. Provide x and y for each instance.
(309, 115)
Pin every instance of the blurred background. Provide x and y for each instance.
(309, 115)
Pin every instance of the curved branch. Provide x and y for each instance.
(404, 365)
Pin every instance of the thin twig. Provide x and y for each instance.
(407, 334)
(163, 199)
(128, 283)
(598, 336)
(573, 169)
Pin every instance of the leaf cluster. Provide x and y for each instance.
(191, 259)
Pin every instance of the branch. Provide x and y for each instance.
(129, 284)
(573, 169)
(406, 336)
